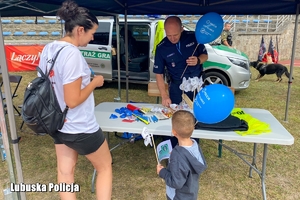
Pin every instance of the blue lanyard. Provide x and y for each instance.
(178, 47)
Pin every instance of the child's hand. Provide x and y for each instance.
(158, 168)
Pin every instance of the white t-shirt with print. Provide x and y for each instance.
(69, 66)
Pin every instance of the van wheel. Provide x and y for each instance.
(215, 78)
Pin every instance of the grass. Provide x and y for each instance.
(134, 166)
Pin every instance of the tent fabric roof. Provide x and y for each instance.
(14, 8)
(9, 8)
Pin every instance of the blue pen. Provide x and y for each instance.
(92, 72)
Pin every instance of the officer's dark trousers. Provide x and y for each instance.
(176, 97)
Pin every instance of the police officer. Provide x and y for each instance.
(178, 51)
(175, 52)
(226, 38)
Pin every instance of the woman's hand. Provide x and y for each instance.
(98, 80)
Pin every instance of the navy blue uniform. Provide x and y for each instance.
(174, 57)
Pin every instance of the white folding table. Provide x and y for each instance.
(279, 134)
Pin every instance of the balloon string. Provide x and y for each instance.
(187, 64)
(194, 94)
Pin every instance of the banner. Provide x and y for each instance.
(23, 58)
(271, 48)
(276, 52)
(262, 49)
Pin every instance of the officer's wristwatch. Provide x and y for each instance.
(199, 61)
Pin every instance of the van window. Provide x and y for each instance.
(188, 28)
(101, 36)
(140, 32)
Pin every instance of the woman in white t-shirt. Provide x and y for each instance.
(70, 78)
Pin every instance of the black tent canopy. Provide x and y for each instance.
(237, 7)
(14, 8)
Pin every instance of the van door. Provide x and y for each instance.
(138, 51)
(98, 52)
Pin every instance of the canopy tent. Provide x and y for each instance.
(243, 7)
(10, 8)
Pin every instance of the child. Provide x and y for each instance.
(186, 162)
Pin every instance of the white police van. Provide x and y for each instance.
(225, 65)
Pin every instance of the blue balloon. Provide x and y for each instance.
(209, 27)
(213, 104)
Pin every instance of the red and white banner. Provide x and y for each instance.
(23, 58)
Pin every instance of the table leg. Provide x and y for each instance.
(263, 171)
(110, 149)
(253, 159)
(220, 148)
(93, 180)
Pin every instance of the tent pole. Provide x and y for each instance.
(126, 52)
(10, 112)
(6, 145)
(118, 99)
(292, 63)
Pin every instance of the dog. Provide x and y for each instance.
(273, 68)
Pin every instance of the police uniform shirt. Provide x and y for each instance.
(174, 56)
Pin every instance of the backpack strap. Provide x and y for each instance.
(53, 62)
(47, 74)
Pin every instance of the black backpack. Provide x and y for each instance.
(41, 111)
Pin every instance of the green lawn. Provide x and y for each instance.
(134, 165)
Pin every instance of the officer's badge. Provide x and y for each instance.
(173, 64)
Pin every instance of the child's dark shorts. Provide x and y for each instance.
(83, 143)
